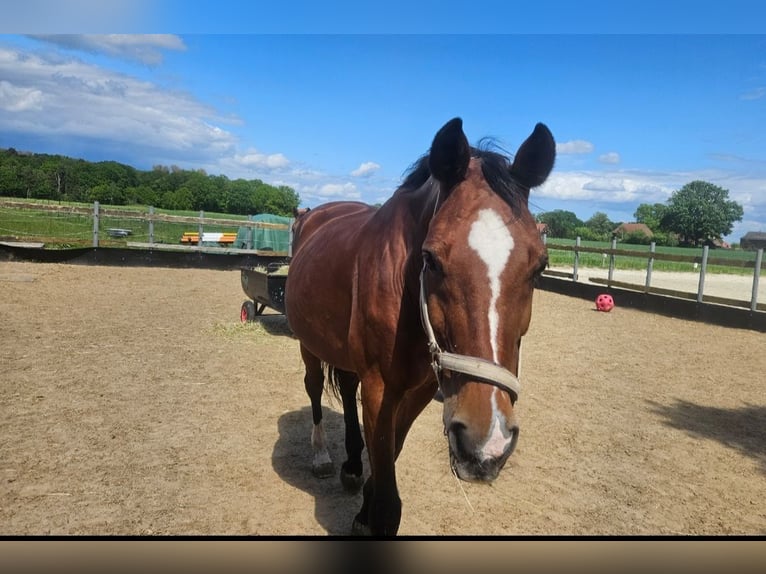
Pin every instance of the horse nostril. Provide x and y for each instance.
(456, 428)
(514, 430)
(457, 437)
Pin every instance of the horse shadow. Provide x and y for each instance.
(742, 429)
(334, 508)
(275, 324)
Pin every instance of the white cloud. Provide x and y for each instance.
(145, 48)
(260, 160)
(44, 97)
(313, 193)
(754, 94)
(366, 169)
(574, 147)
(339, 190)
(611, 157)
(16, 99)
(605, 184)
(607, 187)
(586, 192)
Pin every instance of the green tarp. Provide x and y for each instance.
(263, 238)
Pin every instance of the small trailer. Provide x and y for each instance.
(265, 287)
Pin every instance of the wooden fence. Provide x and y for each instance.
(651, 256)
(99, 215)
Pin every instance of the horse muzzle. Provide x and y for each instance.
(474, 456)
(480, 458)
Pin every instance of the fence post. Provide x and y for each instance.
(576, 259)
(756, 278)
(95, 223)
(650, 266)
(611, 263)
(545, 238)
(250, 233)
(199, 229)
(151, 225)
(703, 268)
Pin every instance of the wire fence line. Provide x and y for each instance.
(80, 225)
(699, 262)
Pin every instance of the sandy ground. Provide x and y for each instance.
(132, 401)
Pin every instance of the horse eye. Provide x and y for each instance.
(431, 262)
(540, 268)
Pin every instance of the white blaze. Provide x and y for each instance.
(492, 240)
(496, 443)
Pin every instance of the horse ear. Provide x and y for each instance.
(534, 159)
(450, 154)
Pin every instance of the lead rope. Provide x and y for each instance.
(433, 346)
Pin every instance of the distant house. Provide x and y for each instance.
(627, 228)
(717, 243)
(542, 228)
(753, 240)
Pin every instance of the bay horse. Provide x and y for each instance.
(432, 290)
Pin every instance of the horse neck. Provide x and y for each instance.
(405, 218)
(407, 215)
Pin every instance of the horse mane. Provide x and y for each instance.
(495, 167)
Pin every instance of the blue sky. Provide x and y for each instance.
(339, 107)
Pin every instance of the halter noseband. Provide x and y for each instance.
(481, 369)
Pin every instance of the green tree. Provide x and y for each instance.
(63, 178)
(637, 238)
(239, 197)
(107, 194)
(651, 215)
(560, 223)
(141, 195)
(600, 226)
(180, 199)
(586, 234)
(700, 211)
(10, 182)
(280, 200)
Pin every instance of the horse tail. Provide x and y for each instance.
(331, 379)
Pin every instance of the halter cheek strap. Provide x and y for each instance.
(481, 369)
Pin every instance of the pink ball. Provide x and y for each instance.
(604, 302)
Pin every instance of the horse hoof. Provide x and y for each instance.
(324, 470)
(351, 482)
(359, 529)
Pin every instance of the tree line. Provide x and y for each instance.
(61, 178)
(700, 212)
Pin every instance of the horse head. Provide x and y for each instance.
(481, 256)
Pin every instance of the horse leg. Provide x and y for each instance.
(375, 510)
(351, 470)
(412, 405)
(381, 510)
(313, 380)
(361, 524)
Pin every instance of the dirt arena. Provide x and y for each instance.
(133, 402)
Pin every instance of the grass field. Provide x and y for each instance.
(64, 229)
(562, 258)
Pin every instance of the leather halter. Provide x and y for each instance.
(480, 369)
